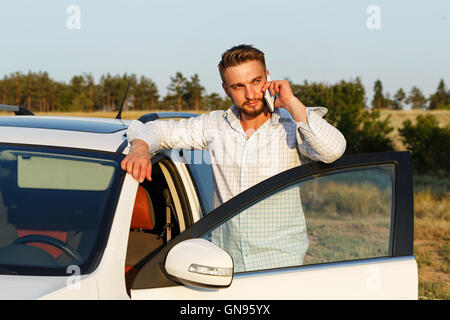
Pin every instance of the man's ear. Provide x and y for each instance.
(224, 86)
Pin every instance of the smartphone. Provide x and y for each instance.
(270, 99)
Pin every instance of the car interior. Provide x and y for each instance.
(49, 227)
(156, 219)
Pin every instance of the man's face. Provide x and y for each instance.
(243, 85)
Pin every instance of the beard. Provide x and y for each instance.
(253, 111)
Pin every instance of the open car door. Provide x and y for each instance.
(357, 244)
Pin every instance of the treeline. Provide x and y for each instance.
(415, 98)
(38, 92)
(346, 101)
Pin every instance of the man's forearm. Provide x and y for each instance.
(185, 133)
(319, 140)
(297, 110)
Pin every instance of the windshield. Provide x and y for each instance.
(56, 207)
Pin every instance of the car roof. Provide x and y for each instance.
(101, 134)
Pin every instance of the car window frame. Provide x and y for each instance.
(162, 157)
(205, 203)
(153, 275)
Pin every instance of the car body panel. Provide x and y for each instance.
(357, 280)
(110, 272)
(75, 124)
(68, 138)
(36, 287)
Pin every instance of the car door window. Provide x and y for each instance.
(338, 216)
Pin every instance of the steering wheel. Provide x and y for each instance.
(51, 241)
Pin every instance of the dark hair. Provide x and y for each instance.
(238, 55)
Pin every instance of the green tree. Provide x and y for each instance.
(416, 98)
(4, 85)
(76, 89)
(399, 98)
(214, 101)
(362, 128)
(44, 87)
(146, 94)
(120, 88)
(64, 97)
(379, 101)
(91, 89)
(177, 88)
(29, 90)
(193, 92)
(81, 103)
(106, 90)
(440, 99)
(428, 143)
(52, 93)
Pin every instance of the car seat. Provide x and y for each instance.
(141, 242)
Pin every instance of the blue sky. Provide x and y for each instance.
(323, 41)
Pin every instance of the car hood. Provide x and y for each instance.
(15, 287)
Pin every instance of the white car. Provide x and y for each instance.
(74, 225)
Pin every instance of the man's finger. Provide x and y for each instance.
(142, 172)
(143, 164)
(136, 170)
(129, 167)
(123, 164)
(149, 171)
(265, 86)
(272, 88)
(277, 87)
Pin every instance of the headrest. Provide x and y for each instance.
(143, 212)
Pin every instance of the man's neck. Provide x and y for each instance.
(251, 124)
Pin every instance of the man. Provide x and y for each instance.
(247, 144)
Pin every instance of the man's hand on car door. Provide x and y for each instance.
(138, 162)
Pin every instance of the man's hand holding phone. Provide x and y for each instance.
(285, 98)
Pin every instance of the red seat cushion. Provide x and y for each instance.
(143, 214)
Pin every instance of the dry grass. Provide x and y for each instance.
(432, 244)
(398, 116)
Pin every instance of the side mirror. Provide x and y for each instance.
(201, 263)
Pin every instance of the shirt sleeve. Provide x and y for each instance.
(158, 134)
(319, 140)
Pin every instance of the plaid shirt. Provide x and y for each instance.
(271, 233)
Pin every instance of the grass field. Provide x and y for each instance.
(432, 216)
(431, 203)
(432, 237)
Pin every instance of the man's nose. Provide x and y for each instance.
(250, 93)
